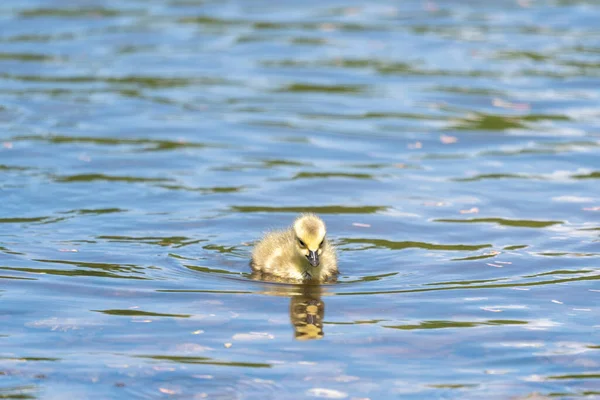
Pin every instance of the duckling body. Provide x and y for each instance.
(299, 253)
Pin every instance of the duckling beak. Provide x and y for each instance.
(313, 258)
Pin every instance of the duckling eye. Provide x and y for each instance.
(301, 243)
(321, 244)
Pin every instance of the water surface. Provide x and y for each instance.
(452, 148)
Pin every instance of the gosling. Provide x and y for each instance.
(300, 253)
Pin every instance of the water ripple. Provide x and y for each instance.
(451, 147)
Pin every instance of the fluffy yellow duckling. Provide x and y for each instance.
(301, 252)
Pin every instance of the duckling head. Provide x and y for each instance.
(310, 237)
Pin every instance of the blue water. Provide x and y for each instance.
(452, 148)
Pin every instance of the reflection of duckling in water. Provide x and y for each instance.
(307, 307)
(306, 313)
(301, 252)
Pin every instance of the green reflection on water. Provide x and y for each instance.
(561, 272)
(17, 392)
(455, 324)
(97, 211)
(575, 376)
(315, 209)
(17, 278)
(220, 24)
(9, 251)
(516, 247)
(209, 270)
(584, 393)
(591, 175)
(38, 37)
(270, 163)
(372, 278)
(71, 12)
(151, 82)
(17, 220)
(342, 89)
(323, 175)
(528, 55)
(223, 249)
(27, 57)
(464, 282)
(372, 115)
(104, 270)
(452, 386)
(206, 190)
(476, 91)
(73, 272)
(12, 167)
(379, 66)
(142, 82)
(480, 121)
(380, 243)
(471, 258)
(482, 177)
(359, 322)
(174, 241)
(30, 359)
(205, 360)
(95, 265)
(562, 254)
(308, 41)
(151, 144)
(140, 313)
(104, 177)
(261, 164)
(204, 291)
(522, 223)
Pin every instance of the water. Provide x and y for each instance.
(451, 147)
